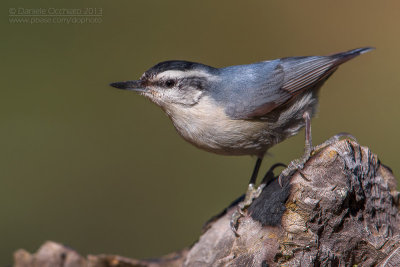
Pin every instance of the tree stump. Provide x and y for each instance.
(341, 209)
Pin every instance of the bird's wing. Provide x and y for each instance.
(289, 77)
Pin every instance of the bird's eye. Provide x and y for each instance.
(170, 83)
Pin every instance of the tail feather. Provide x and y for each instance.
(303, 72)
(345, 56)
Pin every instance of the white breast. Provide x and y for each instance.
(206, 126)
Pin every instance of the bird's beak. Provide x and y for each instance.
(129, 85)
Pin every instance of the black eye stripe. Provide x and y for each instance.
(182, 83)
(197, 82)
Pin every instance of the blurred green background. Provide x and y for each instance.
(104, 171)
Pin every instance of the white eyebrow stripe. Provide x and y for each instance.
(175, 74)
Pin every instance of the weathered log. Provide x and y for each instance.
(342, 209)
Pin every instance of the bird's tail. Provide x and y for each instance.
(305, 72)
(346, 56)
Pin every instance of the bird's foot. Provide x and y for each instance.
(294, 165)
(251, 194)
(298, 164)
(332, 140)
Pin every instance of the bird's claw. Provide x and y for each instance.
(294, 165)
(298, 164)
(332, 140)
(251, 194)
(234, 221)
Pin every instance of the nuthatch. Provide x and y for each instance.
(240, 110)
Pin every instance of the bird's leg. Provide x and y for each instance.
(251, 194)
(298, 164)
(308, 148)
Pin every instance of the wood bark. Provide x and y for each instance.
(341, 209)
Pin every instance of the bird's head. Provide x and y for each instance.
(173, 83)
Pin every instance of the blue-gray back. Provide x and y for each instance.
(252, 91)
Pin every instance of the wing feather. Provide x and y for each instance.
(281, 81)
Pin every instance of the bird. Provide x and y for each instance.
(241, 109)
